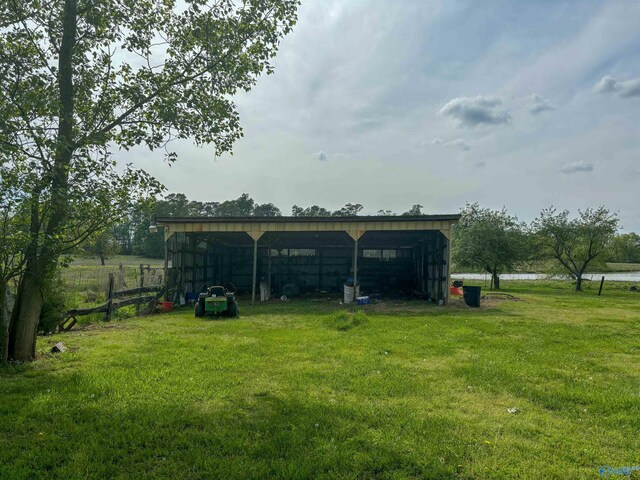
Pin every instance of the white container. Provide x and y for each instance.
(349, 296)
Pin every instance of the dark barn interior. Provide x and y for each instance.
(314, 255)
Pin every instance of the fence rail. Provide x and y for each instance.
(130, 296)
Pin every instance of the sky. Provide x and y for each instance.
(521, 104)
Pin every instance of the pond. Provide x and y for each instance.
(611, 276)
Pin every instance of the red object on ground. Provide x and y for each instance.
(166, 306)
(455, 291)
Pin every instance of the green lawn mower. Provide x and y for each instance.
(217, 301)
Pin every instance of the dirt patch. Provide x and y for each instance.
(97, 326)
(490, 301)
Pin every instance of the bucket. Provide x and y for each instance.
(349, 296)
(166, 306)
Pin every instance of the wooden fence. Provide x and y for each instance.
(117, 299)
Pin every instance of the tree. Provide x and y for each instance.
(574, 243)
(81, 77)
(266, 210)
(102, 244)
(313, 211)
(240, 207)
(414, 211)
(349, 210)
(491, 240)
(624, 248)
(14, 239)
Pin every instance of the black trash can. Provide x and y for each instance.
(471, 295)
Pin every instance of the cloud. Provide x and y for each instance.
(321, 156)
(625, 89)
(458, 143)
(539, 104)
(475, 111)
(606, 85)
(480, 164)
(577, 167)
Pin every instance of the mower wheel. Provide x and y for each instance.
(199, 311)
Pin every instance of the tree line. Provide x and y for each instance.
(488, 240)
(131, 235)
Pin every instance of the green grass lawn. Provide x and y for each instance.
(308, 389)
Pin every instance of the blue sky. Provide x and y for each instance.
(392, 103)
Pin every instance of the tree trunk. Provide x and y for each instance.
(4, 324)
(495, 280)
(102, 260)
(25, 318)
(24, 321)
(579, 282)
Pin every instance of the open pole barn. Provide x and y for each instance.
(385, 255)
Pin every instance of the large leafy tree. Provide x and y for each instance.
(80, 77)
(14, 239)
(575, 243)
(489, 240)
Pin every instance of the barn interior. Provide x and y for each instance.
(387, 256)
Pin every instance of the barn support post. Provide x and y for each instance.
(422, 283)
(183, 261)
(269, 269)
(255, 271)
(166, 269)
(355, 269)
(446, 237)
(256, 236)
(447, 291)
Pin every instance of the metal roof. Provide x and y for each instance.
(360, 218)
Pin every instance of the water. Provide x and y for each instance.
(615, 277)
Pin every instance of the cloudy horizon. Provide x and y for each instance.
(390, 104)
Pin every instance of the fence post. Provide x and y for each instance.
(141, 286)
(107, 315)
(601, 284)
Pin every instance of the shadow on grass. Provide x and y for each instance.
(64, 426)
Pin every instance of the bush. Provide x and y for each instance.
(54, 306)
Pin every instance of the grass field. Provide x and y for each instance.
(309, 389)
(624, 267)
(85, 280)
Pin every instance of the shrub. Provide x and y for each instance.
(54, 306)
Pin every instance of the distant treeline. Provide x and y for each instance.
(132, 236)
